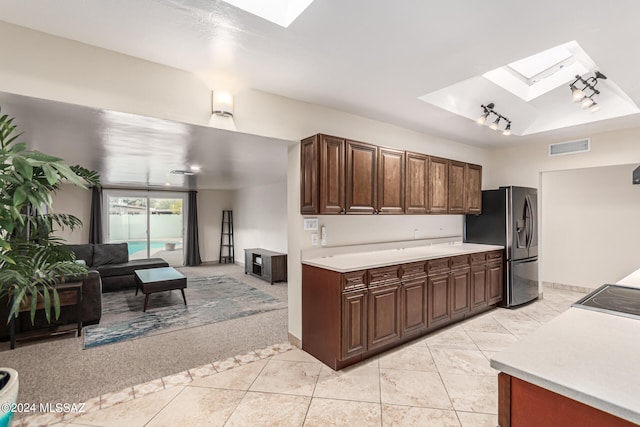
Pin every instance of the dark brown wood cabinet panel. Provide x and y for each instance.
(479, 291)
(456, 187)
(416, 183)
(473, 189)
(309, 175)
(362, 185)
(414, 306)
(354, 323)
(438, 185)
(438, 299)
(382, 275)
(354, 280)
(390, 181)
(332, 171)
(384, 315)
(460, 285)
(495, 281)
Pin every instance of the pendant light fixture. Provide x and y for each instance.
(589, 85)
(488, 110)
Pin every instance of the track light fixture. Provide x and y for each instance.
(589, 85)
(488, 110)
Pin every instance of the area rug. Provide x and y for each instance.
(209, 300)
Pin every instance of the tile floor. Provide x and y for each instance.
(441, 380)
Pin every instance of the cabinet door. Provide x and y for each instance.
(331, 175)
(438, 185)
(362, 191)
(416, 183)
(439, 308)
(354, 323)
(414, 306)
(309, 175)
(460, 281)
(478, 287)
(456, 187)
(495, 282)
(473, 189)
(384, 315)
(390, 181)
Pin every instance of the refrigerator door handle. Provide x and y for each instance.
(529, 221)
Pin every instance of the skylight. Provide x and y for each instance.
(281, 12)
(538, 74)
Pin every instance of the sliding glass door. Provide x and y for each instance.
(151, 223)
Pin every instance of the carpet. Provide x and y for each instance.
(209, 300)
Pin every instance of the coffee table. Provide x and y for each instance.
(162, 279)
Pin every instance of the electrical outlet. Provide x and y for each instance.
(415, 233)
(314, 239)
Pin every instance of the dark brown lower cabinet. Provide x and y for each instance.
(384, 315)
(522, 404)
(347, 317)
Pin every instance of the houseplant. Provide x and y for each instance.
(32, 259)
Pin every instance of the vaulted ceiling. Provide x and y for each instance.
(372, 58)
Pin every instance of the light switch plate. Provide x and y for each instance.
(314, 239)
(310, 224)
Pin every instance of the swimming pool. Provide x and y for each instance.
(141, 245)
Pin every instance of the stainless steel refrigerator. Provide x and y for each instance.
(510, 218)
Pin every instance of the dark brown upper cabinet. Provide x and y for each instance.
(362, 184)
(457, 183)
(473, 189)
(416, 183)
(322, 175)
(438, 185)
(309, 175)
(391, 172)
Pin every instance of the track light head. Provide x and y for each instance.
(601, 76)
(507, 130)
(594, 107)
(577, 94)
(494, 125)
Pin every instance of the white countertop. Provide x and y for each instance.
(588, 356)
(344, 263)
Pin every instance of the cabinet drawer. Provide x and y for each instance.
(379, 276)
(437, 265)
(353, 280)
(494, 255)
(459, 261)
(414, 269)
(478, 258)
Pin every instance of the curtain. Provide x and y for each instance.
(192, 246)
(95, 224)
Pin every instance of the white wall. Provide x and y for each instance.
(260, 218)
(591, 225)
(74, 201)
(211, 203)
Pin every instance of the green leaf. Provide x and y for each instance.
(19, 196)
(56, 303)
(50, 174)
(23, 167)
(17, 300)
(34, 306)
(47, 303)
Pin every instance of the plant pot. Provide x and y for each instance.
(170, 246)
(8, 394)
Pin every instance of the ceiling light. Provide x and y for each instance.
(182, 172)
(195, 168)
(589, 84)
(487, 111)
(222, 103)
(594, 107)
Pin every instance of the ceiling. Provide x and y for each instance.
(372, 58)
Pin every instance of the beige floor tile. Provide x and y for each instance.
(473, 393)
(282, 376)
(359, 382)
(492, 341)
(148, 388)
(181, 378)
(459, 361)
(38, 420)
(484, 323)
(133, 413)
(518, 326)
(472, 419)
(412, 358)
(328, 412)
(198, 406)
(408, 416)
(296, 355)
(269, 410)
(225, 364)
(451, 338)
(239, 378)
(413, 388)
(202, 371)
(249, 357)
(110, 399)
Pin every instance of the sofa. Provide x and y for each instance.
(112, 261)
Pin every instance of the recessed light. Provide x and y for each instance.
(195, 168)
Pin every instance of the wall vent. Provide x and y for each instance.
(570, 147)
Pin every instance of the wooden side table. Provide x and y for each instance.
(266, 265)
(69, 294)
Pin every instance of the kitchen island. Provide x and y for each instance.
(582, 368)
(358, 303)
